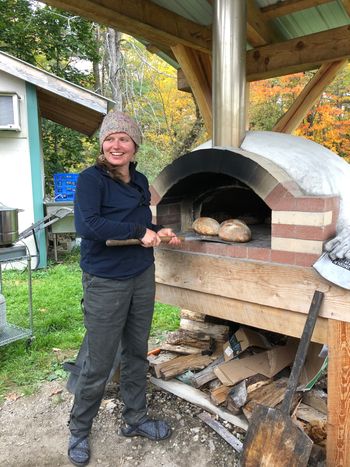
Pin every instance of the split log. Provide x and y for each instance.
(156, 362)
(192, 315)
(179, 365)
(207, 374)
(218, 331)
(182, 349)
(317, 399)
(219, 395)
(314, 422)
(189, 338)
(238, 396)
(269, 395)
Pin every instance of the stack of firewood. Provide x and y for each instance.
(239, 371)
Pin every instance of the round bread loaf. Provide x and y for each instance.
(206, 226)
(234, 230)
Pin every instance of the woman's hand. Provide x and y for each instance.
(169, 233)
(150, 239)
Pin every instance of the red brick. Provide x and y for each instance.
(305, 259)
(286, 257)
(280, 199)
(261, 254)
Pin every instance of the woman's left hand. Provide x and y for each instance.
(169, 233)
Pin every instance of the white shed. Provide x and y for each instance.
(26, 95)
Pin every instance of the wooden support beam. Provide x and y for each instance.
(338, 430)
(300, 54)
(308, 97)
(142, 19)
(289, 6)
(275, 285)
(197, 70)
(250, 314)
(258, 31)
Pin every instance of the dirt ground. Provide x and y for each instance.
(34, 433)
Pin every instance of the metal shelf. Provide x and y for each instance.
(10, 332)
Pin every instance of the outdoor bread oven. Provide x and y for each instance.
(287, 225)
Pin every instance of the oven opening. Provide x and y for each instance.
(218, 196)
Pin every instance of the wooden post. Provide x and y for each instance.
(338, 432)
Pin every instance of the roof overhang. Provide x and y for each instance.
(60, 101)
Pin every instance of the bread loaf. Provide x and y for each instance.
(234, 230)
(206, 226)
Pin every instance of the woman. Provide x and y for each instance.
(112, 202)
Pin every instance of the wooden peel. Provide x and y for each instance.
(165, 239)
(272, 438)
(135, 241)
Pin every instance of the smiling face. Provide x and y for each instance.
(119, 149)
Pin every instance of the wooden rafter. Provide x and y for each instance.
(299, 54)
(142, 19)
(289, 6)
(259, 32)
(309, 95)
(197, 70)
(346, 5)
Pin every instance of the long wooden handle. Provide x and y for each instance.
(135, 241)
(302, 351)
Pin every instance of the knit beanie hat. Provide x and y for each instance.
(119, 122)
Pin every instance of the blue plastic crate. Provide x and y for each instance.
(64, 186)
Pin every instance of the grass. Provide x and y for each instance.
(58, 325)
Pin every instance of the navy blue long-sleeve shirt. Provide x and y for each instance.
(110, 209)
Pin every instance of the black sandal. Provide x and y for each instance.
(79, 450)
(156, 430)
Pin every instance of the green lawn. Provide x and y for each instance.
(58, 325)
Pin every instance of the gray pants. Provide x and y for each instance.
(116, 312)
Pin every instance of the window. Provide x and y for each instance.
(9, 111)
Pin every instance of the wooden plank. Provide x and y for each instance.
(308, 97)
(275, 285)
(197, 70)
(338, 428)
(287, 7)
(300, 54)
(142, 18)
(251, 314)
(197, 397)
(222, 431)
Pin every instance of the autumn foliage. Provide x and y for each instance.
(327, 123)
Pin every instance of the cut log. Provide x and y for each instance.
(219, 395)
(156, 362)
(218, 331)
(317, 399)
(314, 422)
(182, 349)
(179, 365)
(207, 374)
(193, 339)
(269, 395)
(192, 315)
(238, 396)
(222, 431)
(197, 397)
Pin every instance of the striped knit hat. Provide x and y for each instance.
(119, 122)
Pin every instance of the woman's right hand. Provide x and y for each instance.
(150, 239)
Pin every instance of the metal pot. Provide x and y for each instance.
(8, 225)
